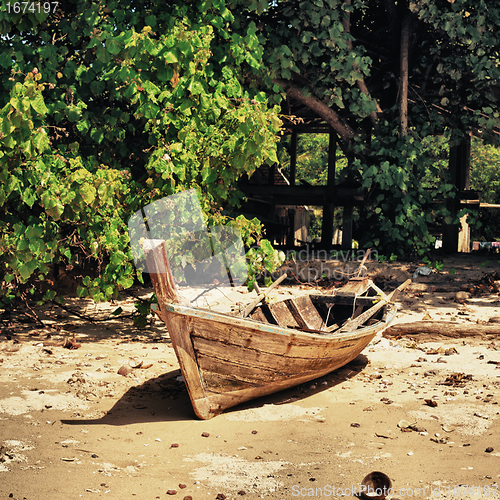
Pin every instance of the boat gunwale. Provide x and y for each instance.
(236, 321)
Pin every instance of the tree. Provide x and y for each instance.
(106, 106)
(385, 75)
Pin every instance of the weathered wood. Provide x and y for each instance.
(305, 312)
(395, 294)
(258, 363)
(160, 272)
(420, 287)
(258, 315)
(427, 330)
(362, 264)
(356, 322)
(342, 299)
(355, 286)
(352, 324)
(250, 307)
(283, 315)
(226, 360)
(221, 341)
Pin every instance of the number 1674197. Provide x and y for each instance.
(31, 7)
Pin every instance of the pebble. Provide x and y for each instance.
(254, 432)
(182, 486)
(489, 449)
(462, 296)
(188, 497)
(125, 370)
(480, 415)
(220, 496)
(205, 434)
(410, 453)
(174, 445)
(418, 428)
(404, 424)
(355, 424)
(171, 492)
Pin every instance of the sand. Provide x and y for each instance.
(72, 427)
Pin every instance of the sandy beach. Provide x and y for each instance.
(112, 418)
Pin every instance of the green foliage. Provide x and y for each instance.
(265, 260)
(262, 257)
(438, 266)
(403, 185)
(343, 61)
(312, 159)
(104, 109)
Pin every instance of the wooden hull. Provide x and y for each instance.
(227, 360)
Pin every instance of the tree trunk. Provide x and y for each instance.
(403, 84)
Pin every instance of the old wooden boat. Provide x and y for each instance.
(227, 359)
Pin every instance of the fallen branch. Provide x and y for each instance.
(426, 330)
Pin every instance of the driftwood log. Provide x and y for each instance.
(429, 330)
(439, 287)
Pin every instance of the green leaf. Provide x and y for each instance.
(112, 46)
(170, 57)
(88, 193)
(38, 104)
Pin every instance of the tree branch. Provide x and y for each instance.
(343, 130)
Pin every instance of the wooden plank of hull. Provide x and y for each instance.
(236, 363)
(283, 315)
(261, 360)
(221, 401)
(304, 311)
(355, 286)
(225, 389)
(283, 342)
(180, 328)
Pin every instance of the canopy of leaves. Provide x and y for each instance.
(106, 106)
(387, 74)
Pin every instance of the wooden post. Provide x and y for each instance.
(290, 241)
(459, 165)
(347, 227)
(464, 236)
(328, 205)
(293, 157)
